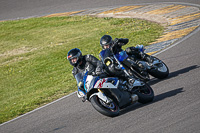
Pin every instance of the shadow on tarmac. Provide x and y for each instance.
(163, 95)
(174, 74)
(156, 99)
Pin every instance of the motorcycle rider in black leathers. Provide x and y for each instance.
(115, 46)
(84, 62)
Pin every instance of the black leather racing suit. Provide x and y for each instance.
(117, 47)
(134, 53)
(130, 50)
(89, 62)
(112, 70)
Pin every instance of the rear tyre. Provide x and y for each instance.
(145, 94)
(111, 109)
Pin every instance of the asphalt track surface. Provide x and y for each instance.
(176, 107)
(13, 9)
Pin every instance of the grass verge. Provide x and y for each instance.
(33, 65)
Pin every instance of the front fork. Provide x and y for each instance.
(121, 66)
(102, 96)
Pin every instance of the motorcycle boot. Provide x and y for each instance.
(130, 63)
(146, 57)
(130, 83)
(139, 67)
(142, 68)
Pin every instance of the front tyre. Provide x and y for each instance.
(160, 71)
(111, 109)
(145, 94)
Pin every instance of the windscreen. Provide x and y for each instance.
(105, 53)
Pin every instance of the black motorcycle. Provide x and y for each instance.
(156, 68)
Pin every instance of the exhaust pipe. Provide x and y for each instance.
(134, 98)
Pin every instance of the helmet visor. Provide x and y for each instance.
(74, 60)
(106, 46)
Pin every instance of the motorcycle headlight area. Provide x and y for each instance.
(108, 61)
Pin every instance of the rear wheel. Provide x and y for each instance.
(108, 109)
(145, 94)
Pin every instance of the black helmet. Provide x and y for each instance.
(106, 40)
(74, 53)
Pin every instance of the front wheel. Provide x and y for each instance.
(160, 71)
(111, 109)
(145, 94)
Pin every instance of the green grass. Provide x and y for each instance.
(33, 65)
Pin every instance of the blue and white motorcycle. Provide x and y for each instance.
(108, 95)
